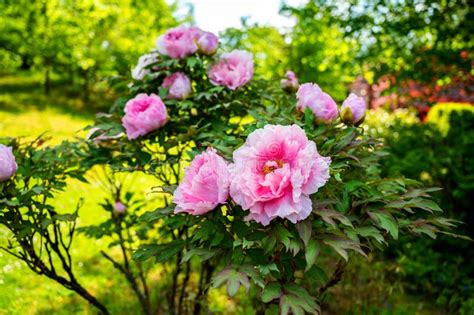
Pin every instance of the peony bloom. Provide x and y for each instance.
(208, 43)
(178, 42)
(204, 186)
(143, 114)
(353, 110)
(178, 85)
(290, 82)
(140, 70)
(119, 207)
(323, 106)
(7, 163)
(233, 70)
(275, 172)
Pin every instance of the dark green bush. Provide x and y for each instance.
(441, 153)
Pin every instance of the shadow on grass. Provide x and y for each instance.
(22, 91)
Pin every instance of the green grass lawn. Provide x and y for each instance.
(26, 112)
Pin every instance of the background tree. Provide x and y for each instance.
(79, 42)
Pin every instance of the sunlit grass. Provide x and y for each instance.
(27, 112)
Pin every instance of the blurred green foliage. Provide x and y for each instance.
(440, 153)
(81, 42)
(271, 54)
(333, 42)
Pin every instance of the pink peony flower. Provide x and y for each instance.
(323, 106)
(143, 114)
(233, 70)
(204, 186)
(275, 172)
(178, 42)
(290, 82)
(140, 71)
(178, 85)
(208, 43)
(353, 109)
(119, 207)
(7, 163)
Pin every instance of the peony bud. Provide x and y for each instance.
(208, 43)
(119, 207)
(321, 104)
(178, 85)
(7, 163)
(353, 110)
(290, 82)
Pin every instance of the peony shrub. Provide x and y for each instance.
(268, 186)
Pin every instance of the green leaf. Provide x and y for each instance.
(270, 292)
(386, 221)
(294, 247)
(426, 204)
(252, 272)
(265, 270)
(297, 300)
(66, 217)
(304, 229)
(341, 246)
(233, 284)
(191, 62)
(203, 254)
(311, 253)
(283, 235)
(151, 216)
(233, 278)
(308, 117)
(268, 243)
(328, 216)
(370, 231)
(162, 252)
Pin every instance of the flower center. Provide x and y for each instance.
(272, 165)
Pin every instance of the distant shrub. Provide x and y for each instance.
(440, 153)
(442, 114)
